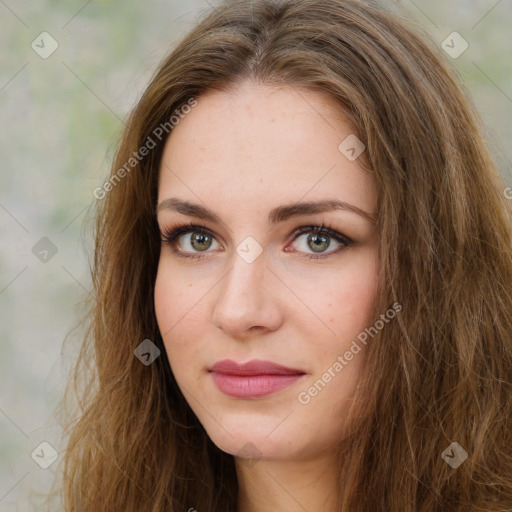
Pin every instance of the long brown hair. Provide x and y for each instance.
(441, 373)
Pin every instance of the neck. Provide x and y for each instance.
(288, 486)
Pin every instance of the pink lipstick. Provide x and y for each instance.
(253, 379)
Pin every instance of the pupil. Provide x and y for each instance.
(200, 239)
(318, 241)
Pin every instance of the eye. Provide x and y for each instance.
(319, 239)
(200, 239)
(197, 237)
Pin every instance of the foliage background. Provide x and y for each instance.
(61, 118)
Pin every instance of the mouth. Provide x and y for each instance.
(253, 379)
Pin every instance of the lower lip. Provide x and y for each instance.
(252, 386)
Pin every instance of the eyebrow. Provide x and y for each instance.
(279, 214)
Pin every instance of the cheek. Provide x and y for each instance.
(355, 301)
(165, 301)
(351, 297)
(180, 315)
(350, 311)
(170, 307)
(174, 298)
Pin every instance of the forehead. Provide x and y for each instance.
(266, 145)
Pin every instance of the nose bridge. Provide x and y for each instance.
(246, 280)
(245, 298)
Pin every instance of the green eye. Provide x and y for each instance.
(201, 239)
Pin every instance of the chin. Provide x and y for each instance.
(248, 442)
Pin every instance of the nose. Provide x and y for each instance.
(248, 299)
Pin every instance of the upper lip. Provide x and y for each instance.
(253, 367)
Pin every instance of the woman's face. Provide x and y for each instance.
(252, 288)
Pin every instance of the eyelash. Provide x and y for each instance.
(171, 235)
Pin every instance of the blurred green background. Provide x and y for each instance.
(61, 116)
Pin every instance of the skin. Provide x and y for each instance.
(242, 153)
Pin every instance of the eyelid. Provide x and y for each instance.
(322, 230)
(171, 235)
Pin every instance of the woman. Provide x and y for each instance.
(343, 344)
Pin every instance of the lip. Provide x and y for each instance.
(253, 367)
(253, 379)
